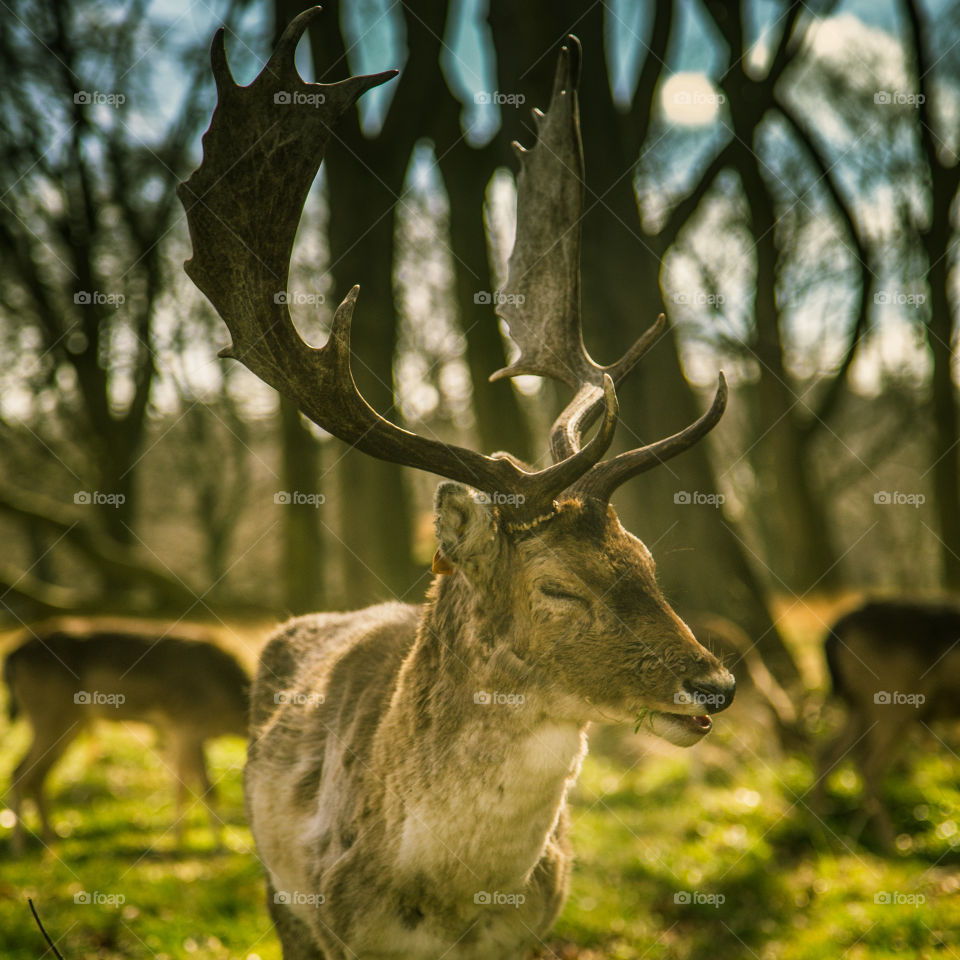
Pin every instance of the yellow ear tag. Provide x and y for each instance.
(441, 564)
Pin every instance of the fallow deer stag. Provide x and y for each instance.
(407, 792)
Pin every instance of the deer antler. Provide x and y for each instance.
(541, 301)
(260, 155)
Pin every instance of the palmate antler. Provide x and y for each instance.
(261, 154)
(541, 299)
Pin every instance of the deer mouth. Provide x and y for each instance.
(680, 729)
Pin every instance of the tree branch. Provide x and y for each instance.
(833, 391)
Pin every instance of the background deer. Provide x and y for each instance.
(895, 664)
(66, 676)
(408, 766)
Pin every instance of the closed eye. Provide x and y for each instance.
(556, 592)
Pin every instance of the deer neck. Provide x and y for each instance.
(476, 792)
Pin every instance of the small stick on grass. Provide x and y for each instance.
(46, 935)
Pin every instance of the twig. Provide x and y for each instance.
(46, 935)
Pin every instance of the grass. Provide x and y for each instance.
(708, 853)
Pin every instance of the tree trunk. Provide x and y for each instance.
(302, 564)
(501, 423)
(945, 455)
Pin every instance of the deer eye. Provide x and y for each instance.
(557, 592)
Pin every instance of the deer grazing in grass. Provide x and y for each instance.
(895, 665)
(408, 765)
(67, 675)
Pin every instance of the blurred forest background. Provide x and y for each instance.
(779, 178)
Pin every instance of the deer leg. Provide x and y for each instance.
(877, 755)
(192, 769)
(50, 740)
(831, 755)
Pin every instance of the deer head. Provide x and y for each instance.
(539, 552)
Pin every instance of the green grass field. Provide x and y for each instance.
(709, 853)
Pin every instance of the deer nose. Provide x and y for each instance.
(714, 693)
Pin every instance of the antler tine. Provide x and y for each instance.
(261, 153)
(568, 429)
(605, 477)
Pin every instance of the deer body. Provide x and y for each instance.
(64, 678)
(895, 664)
(408, 767)
(402, 836)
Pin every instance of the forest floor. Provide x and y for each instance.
(704, 854)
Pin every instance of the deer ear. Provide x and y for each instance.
(465, 526)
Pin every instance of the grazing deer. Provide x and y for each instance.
(66, 676)
(895, 664)
(408, 766)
